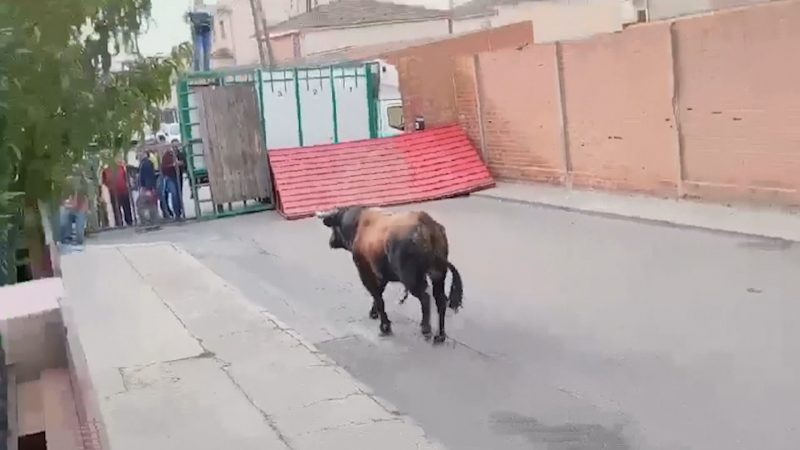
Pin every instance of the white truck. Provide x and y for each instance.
(390, 104)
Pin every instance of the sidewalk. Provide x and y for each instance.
(764, 223)
(180, 360)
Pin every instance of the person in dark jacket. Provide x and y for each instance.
(148, 192)
(147, 173)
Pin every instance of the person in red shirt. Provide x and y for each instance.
(115, 178)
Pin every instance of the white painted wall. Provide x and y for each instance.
(331, 39)
(555, 20)
(477, 24)
(430, 4)
(666, 9)
(276, 11)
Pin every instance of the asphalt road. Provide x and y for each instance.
(578, 332)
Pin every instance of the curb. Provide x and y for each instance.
(639, 219)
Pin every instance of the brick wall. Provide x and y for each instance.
(426, 87)
(426, 72)
(618, 103)
(739, 101)
(521, 114)
(466, 98)
(283, 47)
(702, 107)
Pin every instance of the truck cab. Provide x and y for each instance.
(391, 120)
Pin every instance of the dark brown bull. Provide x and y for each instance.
(404, 247)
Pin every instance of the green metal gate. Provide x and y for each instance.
(299, 107)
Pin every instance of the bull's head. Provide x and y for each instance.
(333, 220)
(343, 223)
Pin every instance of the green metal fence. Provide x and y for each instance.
(299, 107)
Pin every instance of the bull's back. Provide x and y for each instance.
(377, 229)
(437, 235)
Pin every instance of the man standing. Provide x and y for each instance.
(170, 171)
(148, 196)
(74, 209)
(115, 178)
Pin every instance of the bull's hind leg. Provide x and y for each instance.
(437, 281)
(417, 284)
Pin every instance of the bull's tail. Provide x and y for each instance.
(456, 297)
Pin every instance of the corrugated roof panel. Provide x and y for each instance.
(408, 168)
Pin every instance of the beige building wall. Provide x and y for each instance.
(326, 40)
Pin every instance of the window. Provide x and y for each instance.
(222, 30)
(396, 118)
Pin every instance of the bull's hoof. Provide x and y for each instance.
(386, 328)
(373, 314)
(439, 339)
(426, 330)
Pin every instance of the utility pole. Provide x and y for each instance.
(262, 35)
(267, 41)
(255, 8)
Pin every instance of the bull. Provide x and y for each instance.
(404, 247)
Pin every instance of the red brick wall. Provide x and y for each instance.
(426, 72)
(426, 87)
(618, 100)
(739, 84)
(466, 98)
(703, 106)
(521, 114)
(283, 47)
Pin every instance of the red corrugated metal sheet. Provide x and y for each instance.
(408, 168)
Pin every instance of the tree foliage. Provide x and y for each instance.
(60, 98)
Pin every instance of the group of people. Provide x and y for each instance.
(158, 182)
(161, 181)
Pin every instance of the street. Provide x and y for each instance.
(577, 332)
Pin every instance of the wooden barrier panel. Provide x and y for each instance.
(235, 156)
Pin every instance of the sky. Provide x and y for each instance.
(167, 29)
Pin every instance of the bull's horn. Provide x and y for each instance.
(323, 214)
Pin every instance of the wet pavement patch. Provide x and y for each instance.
(568, 436)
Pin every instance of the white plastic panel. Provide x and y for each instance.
(279, 107)
(352, 111)
(194, 118)
(316, 106)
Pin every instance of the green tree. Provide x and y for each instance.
(60, 100)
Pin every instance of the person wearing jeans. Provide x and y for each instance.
(170, 173)
(73, 210)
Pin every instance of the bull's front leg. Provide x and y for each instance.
(375, 286)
